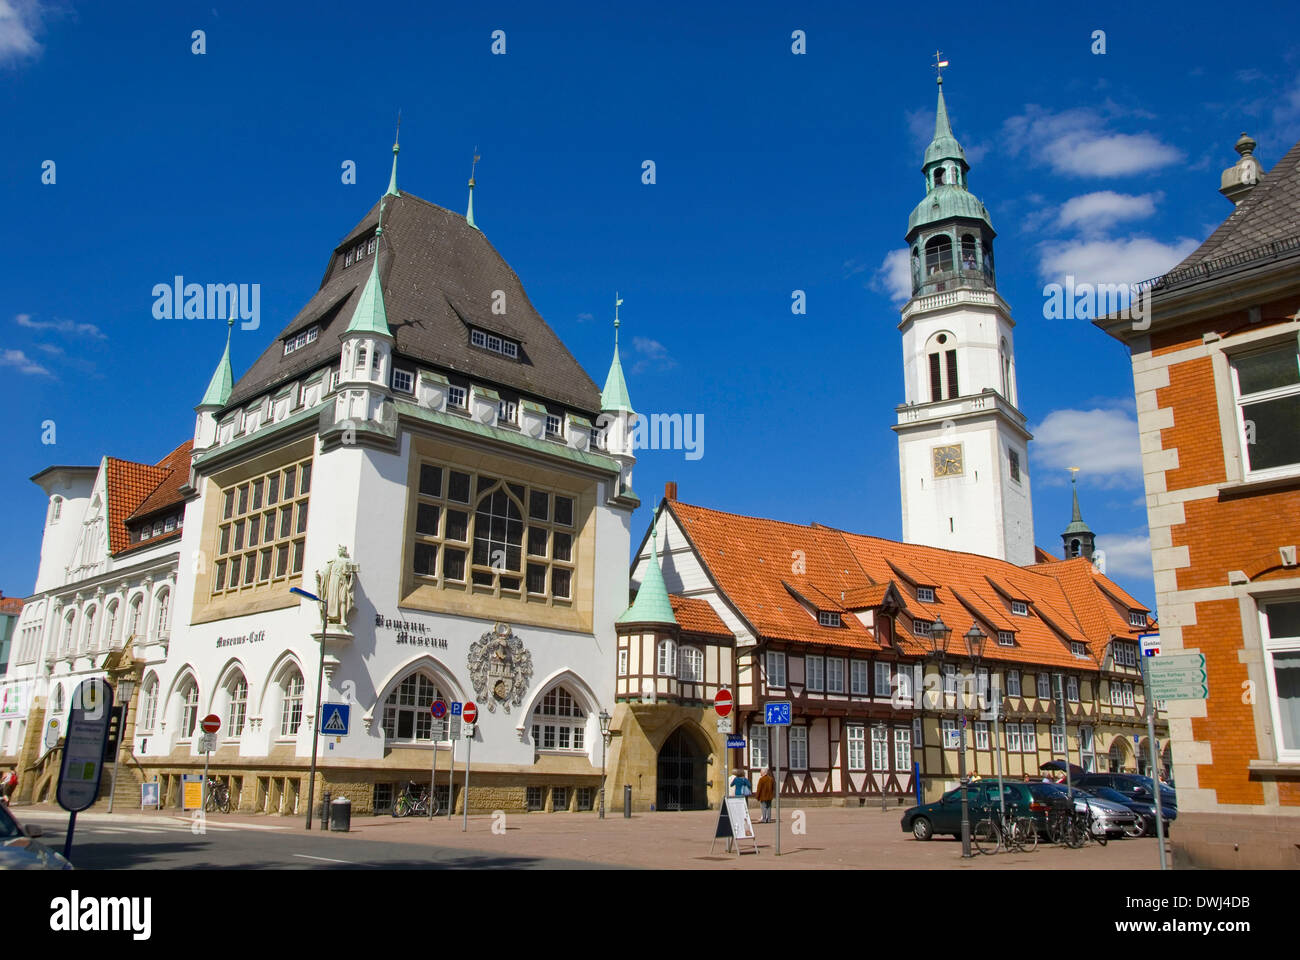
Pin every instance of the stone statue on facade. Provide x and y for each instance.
(336, 584)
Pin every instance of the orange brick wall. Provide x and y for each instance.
(1196, 431)
(1239, 534)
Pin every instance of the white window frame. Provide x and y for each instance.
(884, 678)
(622, 663)
(408, 381)
(798, 742)
(856, 738)
(1029, 738)
(1013, 738)
(1006, 638)
(1240, 403)
(834, 674)
(1116, 697)
(1058, 739)
(1273, 646)
(776, 669)
(1013, 683)
(902, 749)
(859, 671)
(1129, 699)
(1020, 608)
(457, 397)
(690, 665)
(950, 736)
(666, 659)
(879, 749)
(1079, 649)
(1043, 680)
(829, 618)
(758, 746)
(925, 594)
(981, 735)
(815, 672)
(1072, 689)
(1136, 618)
(950, 679)
(921, 628)
(557, 432)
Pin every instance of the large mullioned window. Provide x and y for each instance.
(262, 532)
(497, 535)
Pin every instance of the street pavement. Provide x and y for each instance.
(814, 838)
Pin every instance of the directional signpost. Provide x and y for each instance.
(1179, 678)
(438, 710)
(776, 713)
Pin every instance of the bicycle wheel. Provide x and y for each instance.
(1075, 835)
(986, 837)
(403, 807)
(210, 804)
(1025, 834)
(437, 808)
(223, 801)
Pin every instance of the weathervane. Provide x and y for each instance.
(398, 134)
(939, 64)
(473, 165)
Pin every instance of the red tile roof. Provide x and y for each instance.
(757, 562)
(138, 489)
(10, 606)
(695, 615)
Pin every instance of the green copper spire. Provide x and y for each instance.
(370, 316)
(219, 387)
(614, 396)
(944, 166)
(652, 604)
(469, 213)
(392, 181)
(1076, 520)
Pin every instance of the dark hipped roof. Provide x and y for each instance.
(439, 274)
(1269, 212)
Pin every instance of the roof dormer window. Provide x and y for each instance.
(495, 343)
(1020, 608)
(1079, 649)
(829, 618)
(925, 594)
(1006, 638)
(1136, 618)
(301, 340)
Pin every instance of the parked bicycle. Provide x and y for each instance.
(413, 804)
(1006, 831)
(218, 796)
(1071, 821)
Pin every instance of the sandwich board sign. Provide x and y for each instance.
(191, 791)
(734, 824)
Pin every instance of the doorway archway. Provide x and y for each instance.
(682, 773)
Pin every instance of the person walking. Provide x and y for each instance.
(765, 792)
(740, 786)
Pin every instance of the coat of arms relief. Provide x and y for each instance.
(500, 668)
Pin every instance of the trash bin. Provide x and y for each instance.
(341, 815)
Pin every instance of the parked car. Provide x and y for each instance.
(1146, 811)
(1107, 815)
(20, 850)
(943, 816)
(1131, 785)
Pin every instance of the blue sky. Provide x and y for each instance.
(774, 173)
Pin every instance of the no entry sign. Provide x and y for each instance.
(470, 711)
(722, 702)
(211, 723)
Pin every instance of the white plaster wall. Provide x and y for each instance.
(978, 331)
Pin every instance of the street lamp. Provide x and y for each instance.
(940, 634)
(320, 676)
(975, 638)
(884, 803)
(604, 745)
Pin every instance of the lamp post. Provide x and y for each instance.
(940, 634)
(604, 745)
(884, 801)
(975, 638)
(315, 720)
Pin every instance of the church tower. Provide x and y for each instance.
(1078, 539)
(962, 440)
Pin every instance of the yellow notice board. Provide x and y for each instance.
(191, 792)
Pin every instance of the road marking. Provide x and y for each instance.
(306, 856)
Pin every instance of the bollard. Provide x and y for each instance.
(325, 810)
(627, 800)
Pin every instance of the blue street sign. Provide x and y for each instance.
(777, 713)
(735, 743)
(455, 708)
(335, 718)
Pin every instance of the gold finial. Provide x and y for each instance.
(939, 64)
(1073, 471)
(473, 165)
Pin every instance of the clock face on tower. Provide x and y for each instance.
(948, 461)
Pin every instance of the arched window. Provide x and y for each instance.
(56, 700)
(968, 253)
(362, 357)
(147, 712)
(559, 722)
(162, 619)
(938, 255)
(88, 632)
(66, 645)
(692, 665)
(938, 175)
(133, 620)
(916, 269)
(667, 658)
(236, 704)
(1004, 363)
(56, 509)
(498, 535)
(189, 697)
(1076, 548)
(406, 711)
(291, 686)
(988, 261)
(1167, 762)
(110, 626)
(1115, 758)
(941, 353)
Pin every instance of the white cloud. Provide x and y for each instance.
(1112, 261)
(1105, 208)
(60, 326)
(50, 348)
(16, 358)
(20, 21)
(1078, 143)
(894, 276)
(653, 354)
(1128, 556)
(585, 317)
(1101, 442)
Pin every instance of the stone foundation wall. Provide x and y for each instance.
(1218, 841)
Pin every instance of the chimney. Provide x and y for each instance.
(1240, 178)
(670, 490)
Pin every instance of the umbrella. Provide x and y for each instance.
(1075, 771)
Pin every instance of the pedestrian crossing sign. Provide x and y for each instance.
(335, 718)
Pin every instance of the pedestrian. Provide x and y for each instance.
(765, 792)
(740, 786)
(8, 785)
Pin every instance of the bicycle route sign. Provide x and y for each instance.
(1180, 677)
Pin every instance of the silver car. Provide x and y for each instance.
(1107, 816)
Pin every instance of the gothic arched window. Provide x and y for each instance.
(110, 627)
(189, 698)
(941, 356)
(1004, 363)
(147, 712)
(938, 255)
(236, 704)
(291, 687)
(56, 509)
(406, 711)
(88, 634)
(559, 722)
(498, 535)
